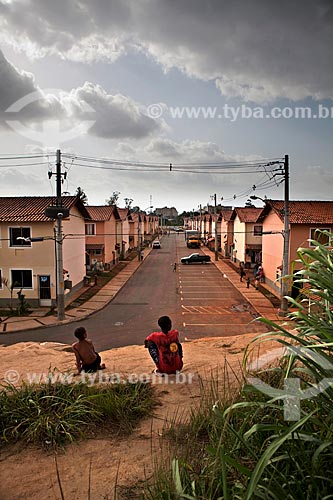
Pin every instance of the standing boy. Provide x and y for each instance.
(164, 348)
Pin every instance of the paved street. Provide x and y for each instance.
(210, 304)
(199, 299)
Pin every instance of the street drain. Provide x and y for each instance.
(240, 307)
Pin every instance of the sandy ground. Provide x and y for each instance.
(29, 472)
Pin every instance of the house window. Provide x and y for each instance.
(18, 237)
(257, 230)
(98, 252)
(21, 278)
(90, 229)
(321, 238)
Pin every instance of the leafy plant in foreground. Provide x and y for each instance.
(252, 451)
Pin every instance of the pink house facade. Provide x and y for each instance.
(305, 218)
(226, 232)
(101, 237)
(247, 244)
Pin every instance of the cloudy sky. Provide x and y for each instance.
(216, 88)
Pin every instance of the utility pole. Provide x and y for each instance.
(139, 236)
(285, 266)
(215, 242)
(59, 241)
(200, 208)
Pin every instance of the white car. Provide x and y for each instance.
(156, 244)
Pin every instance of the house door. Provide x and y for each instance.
(296, 289)
(44, 290)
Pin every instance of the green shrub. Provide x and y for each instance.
(53, 414)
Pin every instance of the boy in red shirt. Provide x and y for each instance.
(164, 348)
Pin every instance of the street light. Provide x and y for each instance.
(213, 197)
(30, 240)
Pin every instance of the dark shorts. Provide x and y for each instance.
(94, 366)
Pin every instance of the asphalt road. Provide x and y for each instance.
(199, 300)
(150, 293)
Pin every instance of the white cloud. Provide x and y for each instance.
(94, 47)
(114, 115)
(186, 151)
(117, 115)
(255, 50)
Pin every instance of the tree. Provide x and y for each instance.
(113, 198)
(128, 202)
(249, 204)
(10, 288)
(81, 195)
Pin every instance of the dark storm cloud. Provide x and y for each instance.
(256, 49)
(15, 85)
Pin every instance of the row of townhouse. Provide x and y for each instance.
(256, 235)
(113, 232)
(94, 237)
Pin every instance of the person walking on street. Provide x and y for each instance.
(242, 272)
(255, 270)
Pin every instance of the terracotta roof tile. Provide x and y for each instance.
(101, 213)
(248, 214)
(31, 208)
(123, 213)
(305, 212)
(226, 214)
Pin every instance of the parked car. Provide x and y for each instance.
(195, 258)
(156, 244)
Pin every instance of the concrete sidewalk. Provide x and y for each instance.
(36, 320)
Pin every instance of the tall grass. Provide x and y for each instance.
(248, 449)
(53, 414)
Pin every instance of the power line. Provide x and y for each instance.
(24, 164)
(165, 168)
(24, 156)
(243, 163)
(193, 167)
(271, 167)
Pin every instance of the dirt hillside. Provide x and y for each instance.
(28, 473)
